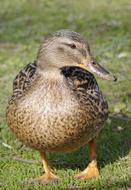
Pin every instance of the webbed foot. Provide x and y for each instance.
(90, 172)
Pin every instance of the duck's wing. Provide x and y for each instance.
(23, 80)
(80, 79)
(83, 83)
(85, 87)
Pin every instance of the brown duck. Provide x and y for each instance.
(56, 103)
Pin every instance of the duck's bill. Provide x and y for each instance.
(100, 71)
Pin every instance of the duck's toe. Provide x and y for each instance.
(90, 172)
(46, 178)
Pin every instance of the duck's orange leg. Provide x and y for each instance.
(48, 176)
(91, 171)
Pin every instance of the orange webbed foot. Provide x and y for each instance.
(46, 178)
(90, 172)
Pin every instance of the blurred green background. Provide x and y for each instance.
(107, 27)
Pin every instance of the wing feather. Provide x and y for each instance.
(23, 80)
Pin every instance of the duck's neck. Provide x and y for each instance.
(51, 73)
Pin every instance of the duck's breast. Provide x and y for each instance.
(50, 117)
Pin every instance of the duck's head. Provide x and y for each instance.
(67, 48)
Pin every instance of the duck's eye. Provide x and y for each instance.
(73, 46)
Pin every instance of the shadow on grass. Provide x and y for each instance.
(124, 184)
(113, 143)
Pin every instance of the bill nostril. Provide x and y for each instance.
(115, 78)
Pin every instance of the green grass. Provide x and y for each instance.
(107, 26)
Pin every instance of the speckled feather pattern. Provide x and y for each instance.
(60, 113)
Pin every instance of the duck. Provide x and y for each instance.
(56, 104)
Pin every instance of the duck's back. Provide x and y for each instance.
(55, 113)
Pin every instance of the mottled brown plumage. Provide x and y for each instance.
(56, 104)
